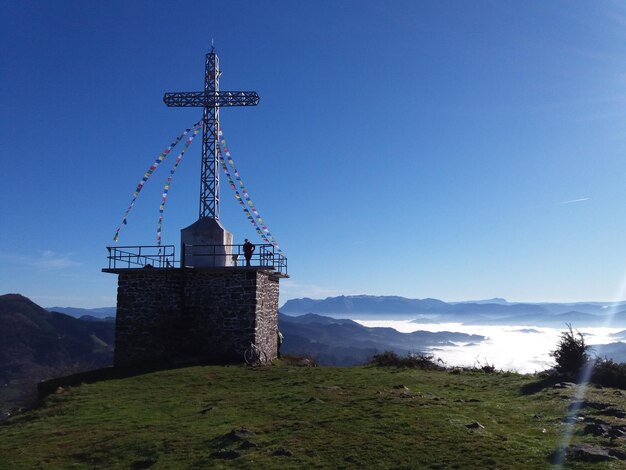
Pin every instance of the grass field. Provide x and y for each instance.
(285, 416)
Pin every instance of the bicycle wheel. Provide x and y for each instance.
(254, 356)
(249, 356)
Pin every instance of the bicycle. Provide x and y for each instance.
(254, 356)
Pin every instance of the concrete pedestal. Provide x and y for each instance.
(206, 231)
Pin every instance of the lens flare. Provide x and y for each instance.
(583, 383)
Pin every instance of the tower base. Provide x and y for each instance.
(173, 316)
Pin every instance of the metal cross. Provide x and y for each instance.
(211, 99)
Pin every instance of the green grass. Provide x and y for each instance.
(322, 417)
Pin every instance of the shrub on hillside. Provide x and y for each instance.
(485, 367)
(571, 353)
(609, 373)
(411, 360)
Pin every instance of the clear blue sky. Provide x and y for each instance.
(447, 149)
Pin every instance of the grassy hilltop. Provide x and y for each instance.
(284, 416)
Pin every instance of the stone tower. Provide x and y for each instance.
(205, 306)
(195, 314)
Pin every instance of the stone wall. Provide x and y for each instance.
(189, 315)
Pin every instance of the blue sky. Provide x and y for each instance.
(449, 149)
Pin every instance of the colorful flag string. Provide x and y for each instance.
(147, 175)
(248, 206)
(166, 188)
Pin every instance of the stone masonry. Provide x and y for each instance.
(169, 316)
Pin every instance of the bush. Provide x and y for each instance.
(571, 354)
(485, 367)
(411, 360)
(609, 373)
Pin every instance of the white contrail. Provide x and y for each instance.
(573, 201)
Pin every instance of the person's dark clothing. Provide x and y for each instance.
(248, 249)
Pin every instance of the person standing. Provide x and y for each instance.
(248, 249)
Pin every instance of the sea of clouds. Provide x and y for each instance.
(522, 349)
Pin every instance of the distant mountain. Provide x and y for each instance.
(363, 304)
(494, 311)
(615, 351)
(389, 306)
(620, 335)
(92, 318)
(101, 312)
(495, 300)
(577, 319)
(36, 344)
(344, 342)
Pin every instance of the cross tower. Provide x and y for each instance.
(211, 99)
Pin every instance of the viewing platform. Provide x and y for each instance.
(215, 257)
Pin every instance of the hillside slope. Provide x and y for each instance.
(345, 343)
(36, 344)
(289, 417)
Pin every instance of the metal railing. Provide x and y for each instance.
(226, 256)
(137, 256)
(265, 256)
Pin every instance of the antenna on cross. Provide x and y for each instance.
(212, 46)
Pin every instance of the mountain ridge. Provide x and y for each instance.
(438, 311)
(77, 312)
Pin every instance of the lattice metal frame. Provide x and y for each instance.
(211, 99)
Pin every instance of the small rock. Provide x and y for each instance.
(239, 434)
(401, 387)
(616, 432)
(141, 464)
(475, 425)
(314, 400)
(245, 444)
(538, 416)
(564, 385)
(593, 419)
(588, 453)
(596, 429)
(283, 452)
(618, 454)
(605, 430)
(616, 412)
(573, 419)
(595, 405)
